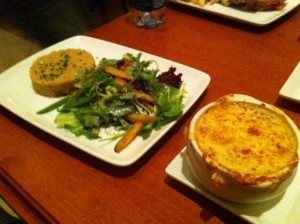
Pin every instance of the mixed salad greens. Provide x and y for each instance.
(102, 99)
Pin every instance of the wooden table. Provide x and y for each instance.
(47, 180)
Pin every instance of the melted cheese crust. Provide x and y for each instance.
(249, 142)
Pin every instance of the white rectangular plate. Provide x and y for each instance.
(18, 96)
(284, 209)
(291, 88)
(253, 18)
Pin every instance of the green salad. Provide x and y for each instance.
(116, 89)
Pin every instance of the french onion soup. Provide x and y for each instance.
(252, 143)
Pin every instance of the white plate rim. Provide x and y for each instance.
(11, 97)
(275, 214)
(291, 88)
(252, 18)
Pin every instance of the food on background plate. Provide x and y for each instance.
(55, 74)
(250, 5)
(245, 146)
(121, 98)
(250, 142)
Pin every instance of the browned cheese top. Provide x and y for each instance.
(250, 142)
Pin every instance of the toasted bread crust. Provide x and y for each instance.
(258, 5)
(264, 5)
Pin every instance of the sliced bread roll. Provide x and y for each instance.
(55, 74)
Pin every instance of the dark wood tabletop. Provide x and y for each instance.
(48, 180)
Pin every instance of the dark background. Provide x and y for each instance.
(49, 21)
